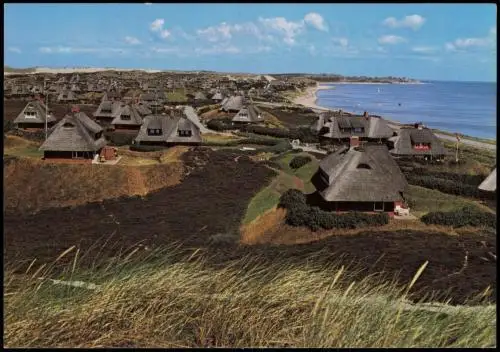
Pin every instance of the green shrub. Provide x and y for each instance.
(299, 213)
(299, 161)
(120, 139)
(467, 216)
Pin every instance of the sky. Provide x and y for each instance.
(452, 42)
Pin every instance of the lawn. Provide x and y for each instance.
(177, 95)
(426, 200)
(288, 178)
(304, 173)
(20, 147)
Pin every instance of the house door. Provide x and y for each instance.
(378, 206)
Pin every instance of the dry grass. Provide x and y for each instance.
(170, 155)
(163, 302)
(270, 228)
(34, 185)
(267, 222)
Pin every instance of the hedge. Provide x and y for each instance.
(146, 148)
(299, 161)
(448, 185)
(467, 216)
(304, 134)
(299, 213)
(120, 139)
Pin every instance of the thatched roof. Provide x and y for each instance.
(490, 183)
(233, 103)
(217, 96)
(128, 115)
(250, 114)
(200, 96)
(352, 174)
(143, 108)
(342, 127)
(75, 132)
(36, 107)
(170, 127)
(108, 108)
(403, 142)
(66, 95)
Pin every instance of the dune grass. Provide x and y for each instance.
(424, 200)
(163, 300)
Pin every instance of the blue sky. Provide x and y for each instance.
(427, 41)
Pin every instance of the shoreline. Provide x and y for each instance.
(309, 99)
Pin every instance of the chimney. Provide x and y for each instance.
(365, 114)
(75, 108)
(354, 141)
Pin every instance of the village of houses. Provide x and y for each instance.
(239, 136)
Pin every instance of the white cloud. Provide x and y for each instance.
(462, 44)
(132, 40)
(343, 42)
(288, 29)
(157, 25)
(423, 49)
(391, 39)
(148, 3)
(74, 50)
(316, 20)
(225, 32)
(413, 21)
(218, 49)
(165, 50)
(165, 34)
(14, 49)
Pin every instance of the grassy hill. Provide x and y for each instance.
(167, 300)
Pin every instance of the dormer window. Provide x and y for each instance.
(68, 125)
(358, 130)
(364, 166)
(126, 117)
(154, 131)
(185, 133)
(30, 114)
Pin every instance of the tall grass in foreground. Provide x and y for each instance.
(161, 301)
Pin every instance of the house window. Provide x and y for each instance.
(358, 130)
(185, 133)
(126, 117)
(29, 114)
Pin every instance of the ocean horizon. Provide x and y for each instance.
(468, 108)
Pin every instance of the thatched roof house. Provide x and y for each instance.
(143, 108)
(66, 96)
(200, 96)
(76, 136)
(107, 110)
(360, 178)
(341, 127)
(232, 104)
(168, 130)
(248, 114)
(33, 116)
(128, 118)
(417, 141)
(490, 183)
(217, 97)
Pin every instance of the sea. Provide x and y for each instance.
(468, 108)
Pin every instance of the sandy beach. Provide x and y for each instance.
(309, 98)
